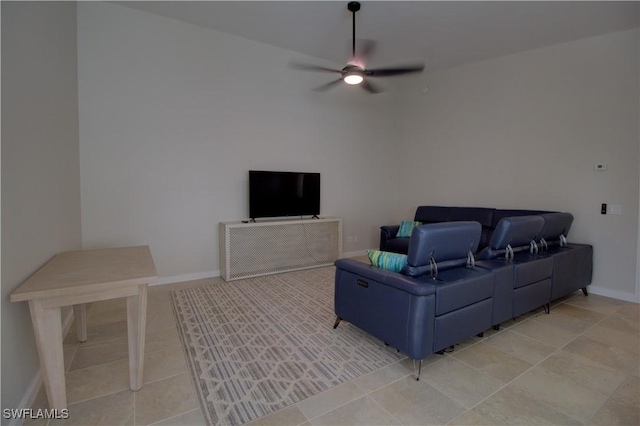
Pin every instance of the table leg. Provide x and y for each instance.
(47, 326)
(80, 315)
(136, 326)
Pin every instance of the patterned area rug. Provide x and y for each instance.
(255, 346)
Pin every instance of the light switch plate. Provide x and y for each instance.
(615, 209)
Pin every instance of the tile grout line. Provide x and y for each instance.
(364, 393)
(172, 417)
(368, 394)
(539, 363)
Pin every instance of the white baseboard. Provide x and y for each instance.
(29, 396)
(187, 277)
(214, 274)
(614, 294)
(32, 391)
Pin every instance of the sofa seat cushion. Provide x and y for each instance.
(460, 287)
(397, 245)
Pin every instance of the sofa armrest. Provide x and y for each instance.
(382, 276)
(387, 233)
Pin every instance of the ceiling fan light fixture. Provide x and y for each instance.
(353, 78)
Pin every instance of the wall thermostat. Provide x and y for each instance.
(600, 167)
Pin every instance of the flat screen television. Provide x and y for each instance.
(278, 194)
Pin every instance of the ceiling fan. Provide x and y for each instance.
(354, 72)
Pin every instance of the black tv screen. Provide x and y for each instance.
(276, 194)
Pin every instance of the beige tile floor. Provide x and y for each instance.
(578, 365)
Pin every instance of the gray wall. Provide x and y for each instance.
(40, 166)
(172, 117)
(525, 131)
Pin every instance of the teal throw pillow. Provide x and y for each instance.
(387, 260)
(406, 228)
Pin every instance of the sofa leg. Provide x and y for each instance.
(419, 369)
(335, 324)
(496, 327)
(584, 291)
(481, 334)
(547, 308)
(443, 351)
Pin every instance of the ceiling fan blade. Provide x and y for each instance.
(369, 87)
(387, 72)
(328, 85)
(308, 67)
(364, 50)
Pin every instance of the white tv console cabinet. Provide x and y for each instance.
(261, 248)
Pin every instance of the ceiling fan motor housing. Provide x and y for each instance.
(352, 74)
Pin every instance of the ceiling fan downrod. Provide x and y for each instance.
(353, 7)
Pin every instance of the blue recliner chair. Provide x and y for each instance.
(439, 299)
(523, 278)
(572, 263)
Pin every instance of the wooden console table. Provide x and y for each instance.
(270, 247)
(79, 277)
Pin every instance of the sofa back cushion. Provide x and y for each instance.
(516, 232)
(479, 214)
(447, 244)
(555, 226)
(555, 230)
(500, 214)
(432, 214)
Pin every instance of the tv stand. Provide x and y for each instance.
(270, 247)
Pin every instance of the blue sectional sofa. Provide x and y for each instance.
(573, 264)
(487, 217)
(436, 302)
(462, 277)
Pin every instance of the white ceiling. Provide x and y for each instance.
(440, 34)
